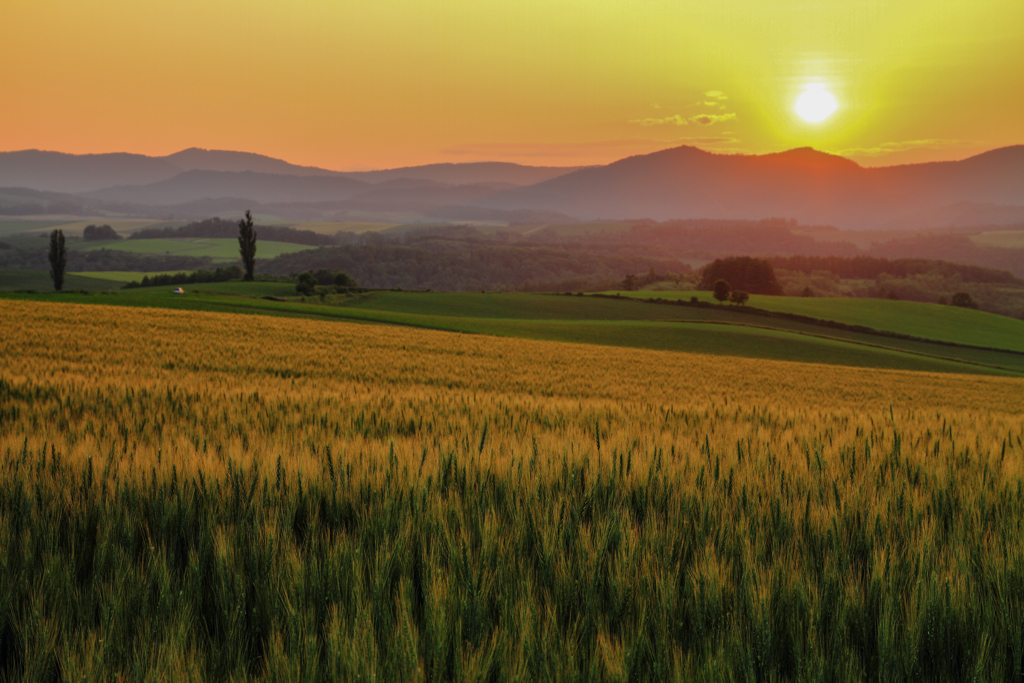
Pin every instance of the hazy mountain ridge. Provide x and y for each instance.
(71, 173)
(813, 187)
(680, 183)
(197, 159)
(59, 172)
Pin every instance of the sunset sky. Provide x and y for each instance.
(366, 84)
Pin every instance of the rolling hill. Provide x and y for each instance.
(267, 187)
(58, 172)
(619, 322)
(71, 173)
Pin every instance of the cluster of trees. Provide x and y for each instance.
(309, 281)
(97, 233)
(747, 274)
(224, 274)
(723, 292)
(964, 300)
(225, 229)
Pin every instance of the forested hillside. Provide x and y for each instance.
(446, 265)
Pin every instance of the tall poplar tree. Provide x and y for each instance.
(247, 245)
(58, 259)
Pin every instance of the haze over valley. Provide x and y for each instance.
(811, 187)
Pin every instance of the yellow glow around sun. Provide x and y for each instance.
(815, 104)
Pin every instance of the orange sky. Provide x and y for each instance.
(382, 83)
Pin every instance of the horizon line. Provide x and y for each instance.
(513, 163)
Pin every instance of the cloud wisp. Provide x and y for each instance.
(678, 120)
(715, 98)
(675, 119)
(712, 119)
(901, 146)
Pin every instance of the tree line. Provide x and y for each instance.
(870, 267)
(468, 267)
(225, 274)
(220, 228)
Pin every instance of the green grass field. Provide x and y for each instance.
(17, 226)
(930, 321)
(217, 249)
(74, 228)
(605, 321)
(124, 276)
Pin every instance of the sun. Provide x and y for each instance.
(815, 104)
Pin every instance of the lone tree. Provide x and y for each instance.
(964, 300)
(58, 259)
(247, 245)
(722, 290)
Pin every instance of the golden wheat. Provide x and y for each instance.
(728, 445)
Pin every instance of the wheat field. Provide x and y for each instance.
(204, 496)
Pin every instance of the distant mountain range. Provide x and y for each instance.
(684, 182)
(811, 186)
(71, 173)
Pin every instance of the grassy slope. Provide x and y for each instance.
(39, 280)
(930, 321)
(534, 307)
(16, 226)
(577, 319)
(1004, 239)
(219, 249)
(125, 276)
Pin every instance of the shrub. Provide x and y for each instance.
(306, 284)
